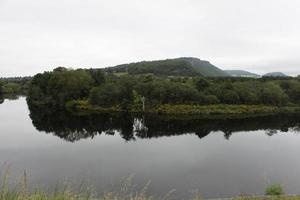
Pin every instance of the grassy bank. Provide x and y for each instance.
(67, 195)
(23, 191)
(202, 110)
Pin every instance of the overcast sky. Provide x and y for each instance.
(255, 35)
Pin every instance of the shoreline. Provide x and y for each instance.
(199, 111)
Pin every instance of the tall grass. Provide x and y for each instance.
(22, 191)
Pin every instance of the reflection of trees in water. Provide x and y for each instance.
(73, 128)
(227, 134)
(271, 132)
(295, 129)
(139, 127)
(9, 97)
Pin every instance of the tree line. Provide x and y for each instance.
(14, 85)
(129, 92)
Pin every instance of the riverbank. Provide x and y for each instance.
(205, 111)
(23, 192)
(67, 195)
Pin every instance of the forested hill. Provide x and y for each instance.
(275, 74)
(205, 68)
(242, 73)
(186, 66)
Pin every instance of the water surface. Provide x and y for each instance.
(216, 158)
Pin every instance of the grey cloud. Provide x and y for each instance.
(38, 35)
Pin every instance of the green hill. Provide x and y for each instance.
(170, 67)
(242, 73)
(275, 74)
(204, 67)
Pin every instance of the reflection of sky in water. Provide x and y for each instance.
(212, 165)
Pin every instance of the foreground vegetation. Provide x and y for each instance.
(22, 191)
(69, 196)
(96, 90)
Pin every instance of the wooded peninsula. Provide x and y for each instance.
(144, 87)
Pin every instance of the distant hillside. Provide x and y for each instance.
(242, 73)
(204, 67)
(170, 67)
(275, 74)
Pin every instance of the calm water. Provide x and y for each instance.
(217, 158)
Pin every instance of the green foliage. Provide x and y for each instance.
(201, 84)
(216, 109)
(230, 97)
(110, 94)
(1, 87)
(14, 85)
(106, 95)
(292, 89)
(60, 86)
(247, 91)
(274, 190)
(98, 76)
(38, 90)
(137, 101)
(11, 88)
(68, 85)
(60, 69)
(272, 94)
(211, 99)
(126, 91)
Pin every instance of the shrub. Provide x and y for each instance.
(11, 88)
(230, 97)
(275, 189)
(202, 84)
(211, 99)
(106, 95)
(272, 94)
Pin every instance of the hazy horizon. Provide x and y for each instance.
(252, 35)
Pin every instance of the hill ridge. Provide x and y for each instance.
(182, 66)
(242, 73)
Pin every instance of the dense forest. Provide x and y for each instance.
(98, 89)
